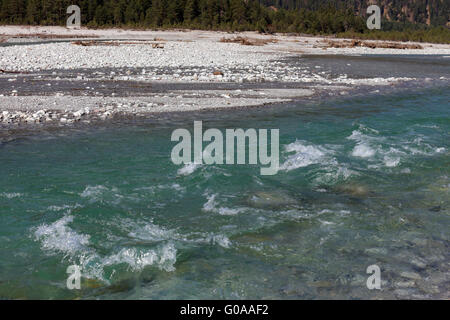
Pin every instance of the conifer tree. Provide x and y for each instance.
(191, 10)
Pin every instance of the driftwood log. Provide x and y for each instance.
(10, 71)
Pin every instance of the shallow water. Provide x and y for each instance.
(312, 70)
(364, 181)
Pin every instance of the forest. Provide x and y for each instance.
(431, 12)
(340, 17)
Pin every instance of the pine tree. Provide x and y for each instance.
(191, 10)
(238, 11)
(131, 14)
(118, 13)
(156, 14)
(32, 15)
(174, 12)
(212, 13)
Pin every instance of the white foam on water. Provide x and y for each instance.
(188, 169)
(391, 162)
(11, 195)
(429, 126)
(212, 206)
(208, 239)
(93, 191)
(370, 147)
(152, 232)
(147, 189)
(364, 142)
(389, 152)
(174, 186)
(64, 207)
(419, 147)
(330, 170)
(58, 236)
(334, 173)
(177, 187)
(370, 81)
(305, 155)
(221, 240)
(102, 193)
(163, 257)
(363, 150)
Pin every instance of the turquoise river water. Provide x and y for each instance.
(363, 181)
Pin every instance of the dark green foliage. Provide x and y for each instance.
(417, 11)
(343, 17)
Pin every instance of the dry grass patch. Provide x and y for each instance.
(248, 42)
(371, 45)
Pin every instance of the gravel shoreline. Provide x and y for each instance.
(167, 57)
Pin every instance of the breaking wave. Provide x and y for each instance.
(389, 151)
(188, 169)
(212, 206)
(330, 170)
(164, 257)
(59, 237)
(305, 155)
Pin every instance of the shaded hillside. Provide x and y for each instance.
(430, 12)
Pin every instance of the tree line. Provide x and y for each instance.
(227, 15)
(432, 12)
(233, 15)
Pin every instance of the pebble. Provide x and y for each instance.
(402, 292)
(405, 284)
(419, 263)
(410, 275)
(427, 287)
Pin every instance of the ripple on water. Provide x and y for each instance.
(11, 195)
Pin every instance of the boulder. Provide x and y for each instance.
(270, 200)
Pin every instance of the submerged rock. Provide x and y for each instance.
(355, 190)
(92, 283)
(427, 287)
(270, 200)
(436, 209)
(410, 275)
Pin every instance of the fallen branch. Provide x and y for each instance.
(10, 71)
(116, 43)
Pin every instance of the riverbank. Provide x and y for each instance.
(57, 75)
(363, 177)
